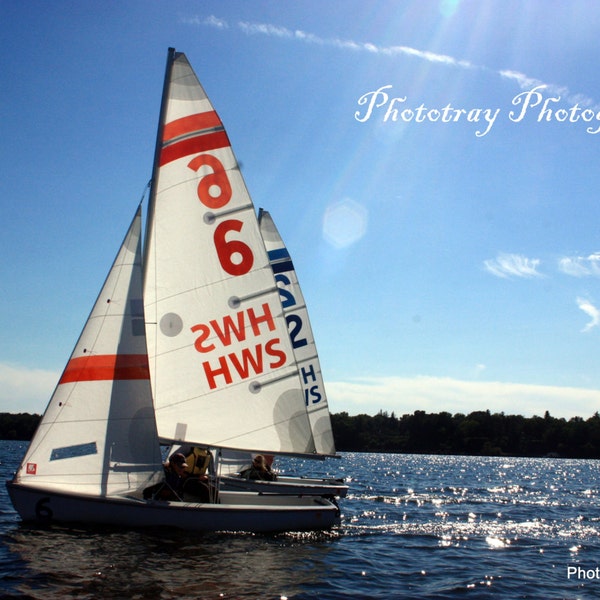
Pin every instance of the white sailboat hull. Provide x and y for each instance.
(236, 511)
(301, 486)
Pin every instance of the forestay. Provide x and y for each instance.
(221, 361)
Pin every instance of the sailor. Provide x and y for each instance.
(176, 473)
(259, 470)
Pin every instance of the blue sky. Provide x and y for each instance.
(447, 240)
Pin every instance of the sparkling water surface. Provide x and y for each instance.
(412, 527)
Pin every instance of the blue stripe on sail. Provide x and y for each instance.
(73, 451)
(282, 267)
(278, 254)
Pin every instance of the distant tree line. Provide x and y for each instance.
(19, 426)
(477, 434)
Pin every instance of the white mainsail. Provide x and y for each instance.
(222, 367)
(98, 434)
(302, 338)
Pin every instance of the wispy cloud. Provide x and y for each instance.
(273, 31)
(277, 31)
(512, 265)
(210, 21)
(403, 395)
(515, 265)
(527, 83)
(524, 81)
(589, 309)
(581, 266)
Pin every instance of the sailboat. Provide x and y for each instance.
(305, 352)
(187, 343)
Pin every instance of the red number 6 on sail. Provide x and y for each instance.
(227, 250)
(217, 180)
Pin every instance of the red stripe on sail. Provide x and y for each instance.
(107, 367)
(190, 124)
(201, 143)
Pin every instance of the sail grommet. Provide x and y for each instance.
(255, 387)
(171, 324)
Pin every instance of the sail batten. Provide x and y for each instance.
(211, 217)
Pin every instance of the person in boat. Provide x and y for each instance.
(180, 483)
(172, 486)
(176, 473)
(259, 470)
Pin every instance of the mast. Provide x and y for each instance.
(157, 150)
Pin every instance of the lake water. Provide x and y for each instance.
(412, 527)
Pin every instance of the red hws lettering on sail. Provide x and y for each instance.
(250, 360)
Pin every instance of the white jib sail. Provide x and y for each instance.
(222, 367)
(302, 338)
(98, 434)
